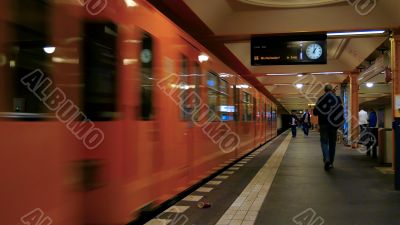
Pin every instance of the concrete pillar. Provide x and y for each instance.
(395, 64)
(395, 67)
(354, 108)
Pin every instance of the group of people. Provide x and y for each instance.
(330, 112)
(304, 121)
(365, 120)
(368, 135)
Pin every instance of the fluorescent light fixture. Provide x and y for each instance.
(12, 63)
(299, 75)
(129, 61)
(350, 33)
(326, 73)
(281, 74)
(299, 86)
(130, 3)
(225, 75)
(369, 84)
(242, 86)
(65, 60)
(49, 49)
(203, 57)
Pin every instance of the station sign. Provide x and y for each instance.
(288, 50)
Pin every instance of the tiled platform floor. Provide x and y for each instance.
(284, 183)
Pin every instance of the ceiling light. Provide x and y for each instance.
(130, 3)
(203, 57)
(225, 75)
(242, 86)
(369, 84)
(49, 49)
(350, 33)
(281, 74)
(12, 63)
(299, 86)
(299, 75)
(326, 73)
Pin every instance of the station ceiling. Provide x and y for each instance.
(229, 24)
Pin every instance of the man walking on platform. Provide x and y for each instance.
(329, 110)
(293, 123)
(306, 122)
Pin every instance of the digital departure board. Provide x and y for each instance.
(288, 50)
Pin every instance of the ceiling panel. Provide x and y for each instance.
(233, 22)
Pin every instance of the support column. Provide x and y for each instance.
(354, 108)
(395, 67)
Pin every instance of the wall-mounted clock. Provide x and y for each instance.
(314, 51)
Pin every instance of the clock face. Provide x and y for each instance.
(314, 51)
(145, 55)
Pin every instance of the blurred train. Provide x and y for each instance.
(124, 144)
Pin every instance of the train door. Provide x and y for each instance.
(265, 121)
(269, 121)
(255, 120)
(237, 110)
(189, 103)
(145, 125)
(189, 72)
(193, 142)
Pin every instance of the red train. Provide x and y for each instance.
(106, 109)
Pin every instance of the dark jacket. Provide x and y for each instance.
(329, 110)
(372, 119)
(308, 117)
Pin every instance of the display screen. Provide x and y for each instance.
(292, 50)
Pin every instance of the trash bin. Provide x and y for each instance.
(396, 130)
(385, 144)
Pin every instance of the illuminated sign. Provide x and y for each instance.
(227, 108)
(288, 50)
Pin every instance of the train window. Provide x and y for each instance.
(185, 88)
(224, 108)
(265, 112)
(236, 97)
(255, 111)
(212, 84)
(23, 53)
(247, 109)
(99, 70)
(146, 86)
(197, 81)
(273, 114)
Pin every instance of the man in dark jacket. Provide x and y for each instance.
(329, 110)
(306, 120)
(372, 119)
(293, 123)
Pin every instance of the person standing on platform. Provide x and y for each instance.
(330, 113)
(306, 119)
(372, 119)
(293, 123)
(363, 120)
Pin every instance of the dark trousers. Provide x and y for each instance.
(305, 128)
(328, 142)
(363, 134)
(294, 130)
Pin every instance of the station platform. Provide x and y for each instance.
(284, 182)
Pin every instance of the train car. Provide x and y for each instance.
(108, 110)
